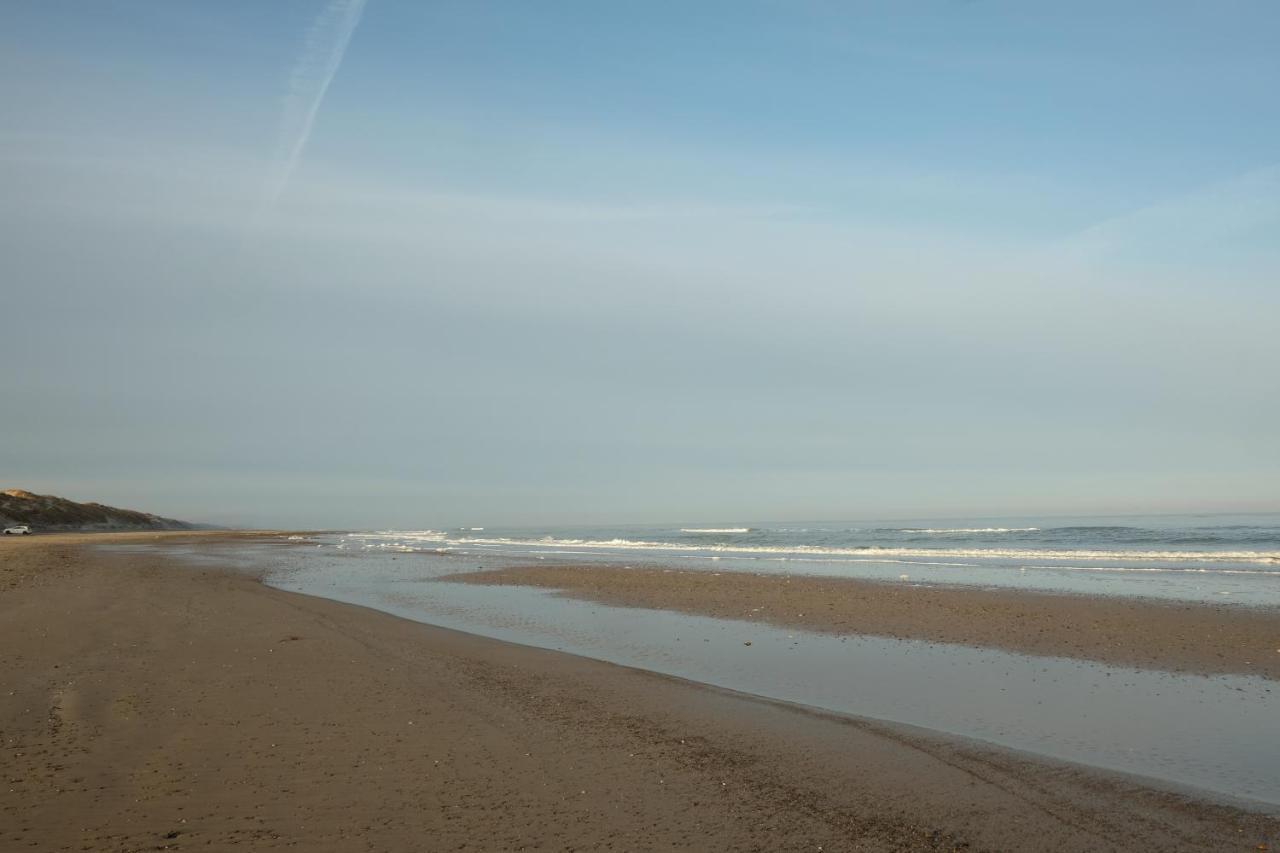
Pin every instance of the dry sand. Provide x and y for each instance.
(1145, 633)
(148, 706)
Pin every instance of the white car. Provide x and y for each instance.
(18, 530)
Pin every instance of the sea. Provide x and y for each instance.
(1209, 558)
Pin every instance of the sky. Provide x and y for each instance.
(393, 263)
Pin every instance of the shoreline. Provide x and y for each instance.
(1177, 637)
(171, 705)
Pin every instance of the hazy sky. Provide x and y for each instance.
(405, 263)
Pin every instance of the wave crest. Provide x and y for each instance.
(1267, 558)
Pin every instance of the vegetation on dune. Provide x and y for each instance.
(48, 513)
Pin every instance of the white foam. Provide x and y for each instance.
(967, 529)
(715, 529)
(868, 553)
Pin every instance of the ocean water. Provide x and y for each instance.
(1221, 559)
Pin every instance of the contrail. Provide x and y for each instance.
(322, 53)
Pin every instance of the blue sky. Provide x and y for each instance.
(611, 262)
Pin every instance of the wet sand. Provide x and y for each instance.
(1150, 634)
(152, 706)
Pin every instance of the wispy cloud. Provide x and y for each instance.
(1210, 224)
(322, 53)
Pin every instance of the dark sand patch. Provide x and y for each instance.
(1145, 633)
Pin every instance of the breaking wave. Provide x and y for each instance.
(964, 529)
(862, 552)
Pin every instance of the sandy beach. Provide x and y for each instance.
(148, 705)
(1145, 633)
